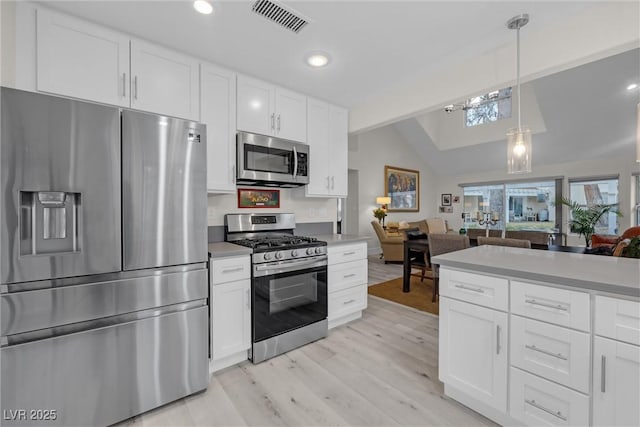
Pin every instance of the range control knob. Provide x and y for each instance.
(279, 255)
(319, 250)
(267, 256)
(294, 253)
(310, 251)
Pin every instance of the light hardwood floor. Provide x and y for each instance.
(381, 370)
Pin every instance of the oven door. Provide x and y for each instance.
(288, 295)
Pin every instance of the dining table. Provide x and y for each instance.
(411, 245)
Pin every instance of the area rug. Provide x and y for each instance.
(419, 297)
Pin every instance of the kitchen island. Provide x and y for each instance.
(536, 337)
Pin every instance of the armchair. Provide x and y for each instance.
(599, 240)
(392, 246)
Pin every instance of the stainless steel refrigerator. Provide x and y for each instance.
(103, 275)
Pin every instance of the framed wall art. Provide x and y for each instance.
(403, 187)
(250, 198)
(446, 199)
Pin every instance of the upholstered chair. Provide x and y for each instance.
(498, 241)
(392, 246)
(441, 244)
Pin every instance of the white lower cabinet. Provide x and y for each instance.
(616, 383)
(347, 282)
(550, 351)
(230, 311)
(473, 351)
(537, 402)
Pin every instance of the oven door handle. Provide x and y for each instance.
(279, 267)
(295, 162)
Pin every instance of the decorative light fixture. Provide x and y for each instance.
(318, 59)
(518, 139)
(203, 6)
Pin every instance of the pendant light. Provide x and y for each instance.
(519, 138)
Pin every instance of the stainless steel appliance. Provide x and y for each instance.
(103, 278)
(271, 162)
(288, 282)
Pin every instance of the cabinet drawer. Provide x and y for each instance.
(346, 275)
(535, 402)
(553, 352)
(487, 291)
(618, 319)
(230, 269)
(346, 253)
(347, 301)
(553, 305)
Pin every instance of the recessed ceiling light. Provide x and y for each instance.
(318, 59)
(203, 6)
(632, 86)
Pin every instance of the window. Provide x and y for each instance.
(637, 179)
(589, 192)
(526, 205)
(489, 107)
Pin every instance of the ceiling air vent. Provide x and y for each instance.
(280, 14)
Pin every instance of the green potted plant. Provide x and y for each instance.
(584, 219)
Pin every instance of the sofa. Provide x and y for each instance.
(614, 243)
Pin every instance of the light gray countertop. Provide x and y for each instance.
(339, 239)
(590, 272)
(226, 249)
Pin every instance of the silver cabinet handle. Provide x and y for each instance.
(603, 374)
(548, 411)
(346, 276)
(548, 353)
(273, 118)
(278, 122)
(135, 87)
(233, 173)
(333, 182)
(467, 288)
(232, 270)
(349, 253)
(497, 339)
(248, 299)
(349, 302)
(544, 304)
(124, 84)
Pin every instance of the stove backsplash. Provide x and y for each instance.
(216, 232)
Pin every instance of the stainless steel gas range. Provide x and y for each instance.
(288, 282)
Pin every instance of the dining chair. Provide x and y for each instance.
(441, 244)
(499, 241)
(418, 259)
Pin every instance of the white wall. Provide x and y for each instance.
(369, 152)
(606, 166)
(306, 209)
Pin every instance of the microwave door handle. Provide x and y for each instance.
(295, 162)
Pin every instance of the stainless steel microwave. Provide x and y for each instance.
(272, 162)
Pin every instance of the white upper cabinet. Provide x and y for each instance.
(81, 60)
(338, 150)
(269, 110)
(218, 112)
(318, 140)
(163, 81)
(291, 115)
(327, 136)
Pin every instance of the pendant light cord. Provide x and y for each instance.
(518, 75)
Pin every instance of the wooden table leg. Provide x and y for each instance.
(406, 274)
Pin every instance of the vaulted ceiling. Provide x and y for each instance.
(587, 113)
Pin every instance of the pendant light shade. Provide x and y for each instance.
(519, 151)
